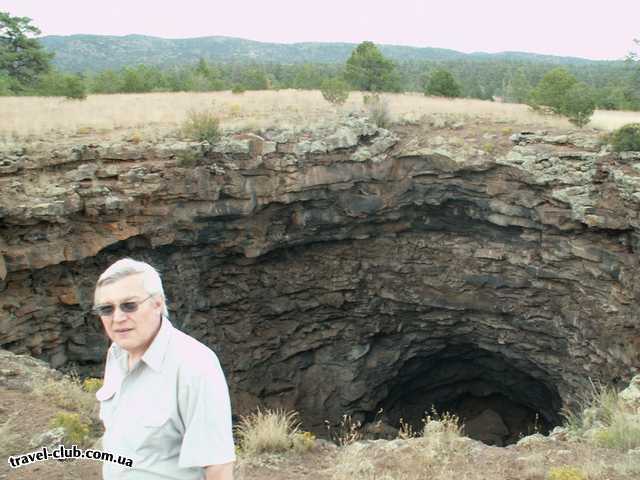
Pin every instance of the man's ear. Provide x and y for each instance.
(159, 301)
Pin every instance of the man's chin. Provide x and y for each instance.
(124, 343)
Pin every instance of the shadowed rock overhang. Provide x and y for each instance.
(347, 269)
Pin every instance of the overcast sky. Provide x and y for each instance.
(583, 28)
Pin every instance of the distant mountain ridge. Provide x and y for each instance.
(85, 53)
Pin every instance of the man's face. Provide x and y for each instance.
(133, 331)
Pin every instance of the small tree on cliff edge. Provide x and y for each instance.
(579, 104)
(564, 95)
(551, 90)
(22, 59)
(367, 69)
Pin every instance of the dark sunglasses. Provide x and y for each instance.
(126, 307)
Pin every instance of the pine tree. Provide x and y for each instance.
(367, 69)
(22, 59)
(442, 84)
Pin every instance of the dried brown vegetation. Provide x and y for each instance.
(156, 115)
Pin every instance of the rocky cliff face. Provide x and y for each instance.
(345, 269)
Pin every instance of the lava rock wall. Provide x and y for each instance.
(340, 269)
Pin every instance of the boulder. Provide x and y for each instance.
(488, 427)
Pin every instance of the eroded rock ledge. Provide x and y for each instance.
(344, 269)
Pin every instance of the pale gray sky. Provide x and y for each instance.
(583, 28)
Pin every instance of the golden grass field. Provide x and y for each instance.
(155, 115)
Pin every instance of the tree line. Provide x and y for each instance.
(26, 69)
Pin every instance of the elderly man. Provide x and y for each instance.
(164, 402)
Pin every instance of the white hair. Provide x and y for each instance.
(127, 266)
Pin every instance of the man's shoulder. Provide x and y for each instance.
(193, 357)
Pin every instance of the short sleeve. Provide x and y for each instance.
(205, 409)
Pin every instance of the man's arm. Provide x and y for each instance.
(205, 409)
(219, 472)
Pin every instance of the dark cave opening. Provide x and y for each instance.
(498, 399)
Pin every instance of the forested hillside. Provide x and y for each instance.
(76, 65)
(137, 63)
(91, 53)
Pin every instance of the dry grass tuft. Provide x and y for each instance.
(411, 459)
(272, 431)
(11, 441)
(604, 419)
(431, 453)
(377, 109)
(533, 472)
(630, 466)
(158, 115)
(347, 431)
(353, 464)
(201, 126)
(622, 433)
(442, 423)
(596, 404)
(68, 393)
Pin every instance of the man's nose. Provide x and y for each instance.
(119, 315)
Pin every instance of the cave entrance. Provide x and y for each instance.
(498, 399)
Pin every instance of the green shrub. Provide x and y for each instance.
(369, 98)
(76, 431)
(74, 88)
(562, 94)
(238, 89)
(605, 418)
(626, 138)
(335, 91)
(442, 84)
(621, 433)
(566, 473)
(187, 158)
(489, 147)
(92, 385)
(303, 441)
(58, 84)
(5, 84)
(551, 90)
(596, 404)
(579, 104)
(202, 126)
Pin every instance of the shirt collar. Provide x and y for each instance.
(154, 356)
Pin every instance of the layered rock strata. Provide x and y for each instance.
(345, 269)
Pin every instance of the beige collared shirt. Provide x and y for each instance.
(171, 413)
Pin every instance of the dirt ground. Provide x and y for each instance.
(393, 460)
(533, 458)
(33, 415)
